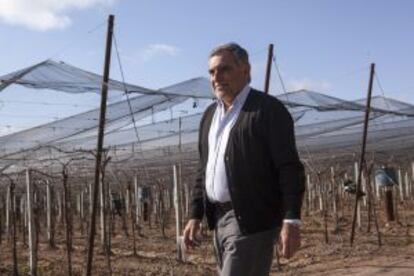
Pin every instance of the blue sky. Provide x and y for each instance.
(321, 45)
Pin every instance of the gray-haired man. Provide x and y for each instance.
(250, 182)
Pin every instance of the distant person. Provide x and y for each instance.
(250, 182)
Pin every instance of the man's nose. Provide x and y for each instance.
(216, 77)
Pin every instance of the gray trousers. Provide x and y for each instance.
(242, 255)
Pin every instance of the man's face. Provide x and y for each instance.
(227, 77)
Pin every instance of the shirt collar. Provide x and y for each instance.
(239, 99)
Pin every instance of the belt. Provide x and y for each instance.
(223, 208)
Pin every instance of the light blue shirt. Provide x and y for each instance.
(221, 125)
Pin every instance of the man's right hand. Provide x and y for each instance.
(191, 231)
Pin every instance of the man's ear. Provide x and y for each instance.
(246, 70)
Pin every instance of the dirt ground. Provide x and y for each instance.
(157, 255)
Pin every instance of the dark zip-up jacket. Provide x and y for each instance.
(265, 175)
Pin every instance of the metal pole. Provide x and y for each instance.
(268, 68)
(104, 96)
(364, 143)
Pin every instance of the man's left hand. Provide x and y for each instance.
(289, 241)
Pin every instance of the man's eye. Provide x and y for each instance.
(223, 69)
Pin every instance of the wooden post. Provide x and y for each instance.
(24, 208)
(321, 191)
(314, 193)
(99, 147)
(364, 144)
(179, 134)
(364, 188)
(356, 175)
(137, 201)
(68, 221)
(50, 234)
(178, 215)
(400, 184)
(309, 198)
(395, 202)
(111, 214)
(155, 204)
(180, 185)
(80, 210)
(32, 227)
(102, 212)
(13, 229)
(2, 210)
(78, 204)
(412, 178)
(127, 202)
(187, 199)
(148, 202)
(407, 185)
(388, 204)
(90, 198)
(334, 196)
(377, 190)
(82, 205)
(411, 187)
(111, 197)
(268, 68)
(59, 199)
(8, 209)
(132, 221)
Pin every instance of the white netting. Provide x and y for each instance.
(167, 121)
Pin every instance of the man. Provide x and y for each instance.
(250, 182)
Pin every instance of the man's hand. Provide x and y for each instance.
(190, 233)
(289, 241)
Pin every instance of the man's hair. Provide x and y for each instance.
(238, 52)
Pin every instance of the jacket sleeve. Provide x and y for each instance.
(285, 158)
(197, 194)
